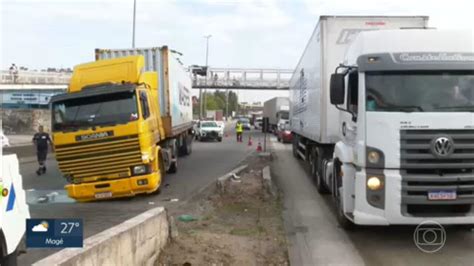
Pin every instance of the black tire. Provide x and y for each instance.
(343, 221)
(295, 147)
(187, 146)
(10, 260)
(219, 139)
(174, 165)
(317, 171)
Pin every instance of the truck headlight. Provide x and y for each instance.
(139, 169)
(374, 183)
(373, 157)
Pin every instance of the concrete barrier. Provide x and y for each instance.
(137, 241)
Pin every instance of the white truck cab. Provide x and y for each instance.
(405, 148)
(13, 210)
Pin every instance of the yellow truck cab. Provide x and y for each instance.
(110, 134)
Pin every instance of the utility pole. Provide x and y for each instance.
(227, 104)
(133, 30)
(202, 98)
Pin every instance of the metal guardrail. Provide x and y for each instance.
(34, 77)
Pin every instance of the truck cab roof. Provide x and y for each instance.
(412, 49)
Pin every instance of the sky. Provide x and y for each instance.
(245, 33)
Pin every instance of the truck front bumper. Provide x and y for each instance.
(394, 211)
(115, 188)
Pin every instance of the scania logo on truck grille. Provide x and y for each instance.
(93, 136)
(442, 146)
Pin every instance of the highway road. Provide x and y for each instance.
(316, 239)
(208, 161)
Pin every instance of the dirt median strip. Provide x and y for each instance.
(235, 226)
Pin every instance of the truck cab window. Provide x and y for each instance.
(353, 91)
(144, 104)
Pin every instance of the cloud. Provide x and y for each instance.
(40, 228)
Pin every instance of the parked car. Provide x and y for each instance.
(221, 124)
(245, 123)
(4, 140)
(284, 133)
(209, 130)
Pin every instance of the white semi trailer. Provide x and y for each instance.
(383, 114)
(277, 111)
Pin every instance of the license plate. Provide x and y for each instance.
(103, 195)
(442, 195)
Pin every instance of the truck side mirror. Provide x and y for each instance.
(337, 89)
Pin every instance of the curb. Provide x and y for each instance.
(149, 231)
(268, 183)
(223, 179)
(208, 185)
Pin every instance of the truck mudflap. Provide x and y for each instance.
(118, 188)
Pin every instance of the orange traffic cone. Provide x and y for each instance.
(259, 147)
(250, 141)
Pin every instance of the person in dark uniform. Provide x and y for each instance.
(41, 141)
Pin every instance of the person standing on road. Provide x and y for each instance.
(41, 141)
(239, 128)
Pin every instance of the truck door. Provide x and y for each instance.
(349, 119)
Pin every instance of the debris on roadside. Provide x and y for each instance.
(233, 224)
(186, 218)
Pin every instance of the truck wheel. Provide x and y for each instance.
(219, 139)
(295, 147)
(316, 170)
(340, 215)
(10, 260)
(186, 147)
(174, 165)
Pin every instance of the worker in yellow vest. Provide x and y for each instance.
(239, 128)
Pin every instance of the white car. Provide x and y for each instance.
(221, 124)
(4, 140)
(209, 130)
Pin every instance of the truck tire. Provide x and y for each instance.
(174, 165)
(10, 260)
(219, 139)
(295, 146)
(343, 221)
(316, 163)
(186, 146)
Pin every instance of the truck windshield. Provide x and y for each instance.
(284, 115)
(98, 110)
(425, 91)
(208, 124)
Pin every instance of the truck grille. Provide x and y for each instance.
(426, 168)
(416, 150)
(100, 159)
(415, 194)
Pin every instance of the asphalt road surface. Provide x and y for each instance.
(316, 239)
(208, 161)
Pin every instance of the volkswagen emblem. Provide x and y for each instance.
(442, 147)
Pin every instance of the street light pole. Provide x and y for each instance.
(202, 98)
(133, 30)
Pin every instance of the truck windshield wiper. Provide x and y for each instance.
(467, 107)
(402, 108)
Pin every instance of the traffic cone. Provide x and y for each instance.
(259, 147)
(250, 141)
